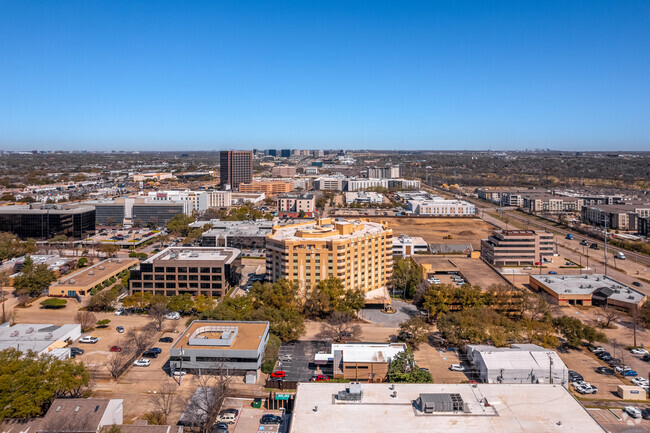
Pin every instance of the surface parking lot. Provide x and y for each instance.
(301, 368)
(617, 421)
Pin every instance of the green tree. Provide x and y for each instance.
(330, 295)
(575, 332)
(102, 301)
(30, 382)
(403, 369)
(33, 279)
(414, 331)
(180, 224)
(109, 249)
(11, 246)
(407, 276)
(82, 262)
(54, 303)
(181, 303)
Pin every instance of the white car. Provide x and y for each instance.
(119, 311)
(286, 357)
(456, 367)
(174, 315)
(142, 362)
(622, 368)
(89, 339)
(587, 389)
(632, 411)
(639, 381)
(639, 351)
(179, 373)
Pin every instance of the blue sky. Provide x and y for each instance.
(204, 75)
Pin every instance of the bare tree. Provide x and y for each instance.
(637, 321)
(166, 399)
(118, 362)
(4, 281)
(608, 314)
(140, 339)
(86, 319)
(339, 327)
(157, 313)
(211, 392)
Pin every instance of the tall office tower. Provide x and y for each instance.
(236, 167)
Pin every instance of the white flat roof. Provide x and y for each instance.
(586, 284)
(516, 408)
(290, 233)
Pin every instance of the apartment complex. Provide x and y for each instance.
(441, 207)
(198, 200)
(236, 167)
(360, 362)
(283, 171)
(386, 172)
(618, 217)
(359, 253)
(517, 247)
(268, 187)
(296, 205)
(210, 345)
(43, 221)
(361, 184)
(331, 183)
(179, 270)
(549, 203)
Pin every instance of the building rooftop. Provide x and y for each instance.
(327, 230)
(488, 408)
(517, 356)
(222, 335)
(40, 208)
(362, 352)
(34, 337)
(96, 273)
(587, 284)
(218, 254)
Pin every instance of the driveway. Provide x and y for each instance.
(377, 317)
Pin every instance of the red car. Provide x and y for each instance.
(116, 349)
(278, 374)
(321, 378)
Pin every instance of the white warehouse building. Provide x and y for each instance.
(441, 207)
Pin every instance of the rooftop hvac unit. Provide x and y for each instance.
(353, 392)
(15, 334)
(49, 336)
(29, 330)
(71, 281)
(91, 272)
(101, 267)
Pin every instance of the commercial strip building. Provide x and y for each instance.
(44, 221)
(296, 205)
(519, 363)
(39, 338)
(82, 282)
(618, 217)
(406, 246)
(359, 253)
(236, 167)
(268, 187)
(517, 247)
(441, 207)
(211, 345)
(594, 289)
(236, 234)
(449, 408)
(180, 270)
(360, 362)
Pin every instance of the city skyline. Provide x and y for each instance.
(351, 75)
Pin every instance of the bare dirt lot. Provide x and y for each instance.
(433, 230)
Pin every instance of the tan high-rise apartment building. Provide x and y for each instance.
(236, 167)
(359, 253)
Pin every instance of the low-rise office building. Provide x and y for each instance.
(140, 210)
(364, 197)
(594, 289)
(211, 345)
(406, 246)
(519, 363)
(359, 253)
(517, 247)
(180, 270)
(39, 338)
(44, 221)
(236, 234)
(361, 362)
(441, 207)
(428, 407)
(296, 205)
(82, 282)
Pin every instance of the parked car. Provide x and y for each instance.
(639, 381)
(149, 354)
(142, 362)
(597, 349)
(270, 419)
(285, 357)
(636, 283)
(217, 429)
(119, 311)
(630, 373)
(231, 410)
(278, 374)
(639, 351)
(584, 242)
(89, 339)
(158, 350)
(179, 373)
(613, 362)
(569, 236)
(574, 376)
(321, 378)
(116, 349)
(594, 246)
(622, 368)
(166, 340)
(456, 367)
(603, 354)
(174, 315)
(120, 329)
(587, 389)
(606, 371)
(228, 418)
(632, 411)
(75, 351)
(645, 413)
(645, 358)
(552, 272)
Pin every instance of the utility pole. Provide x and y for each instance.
(605, 246)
